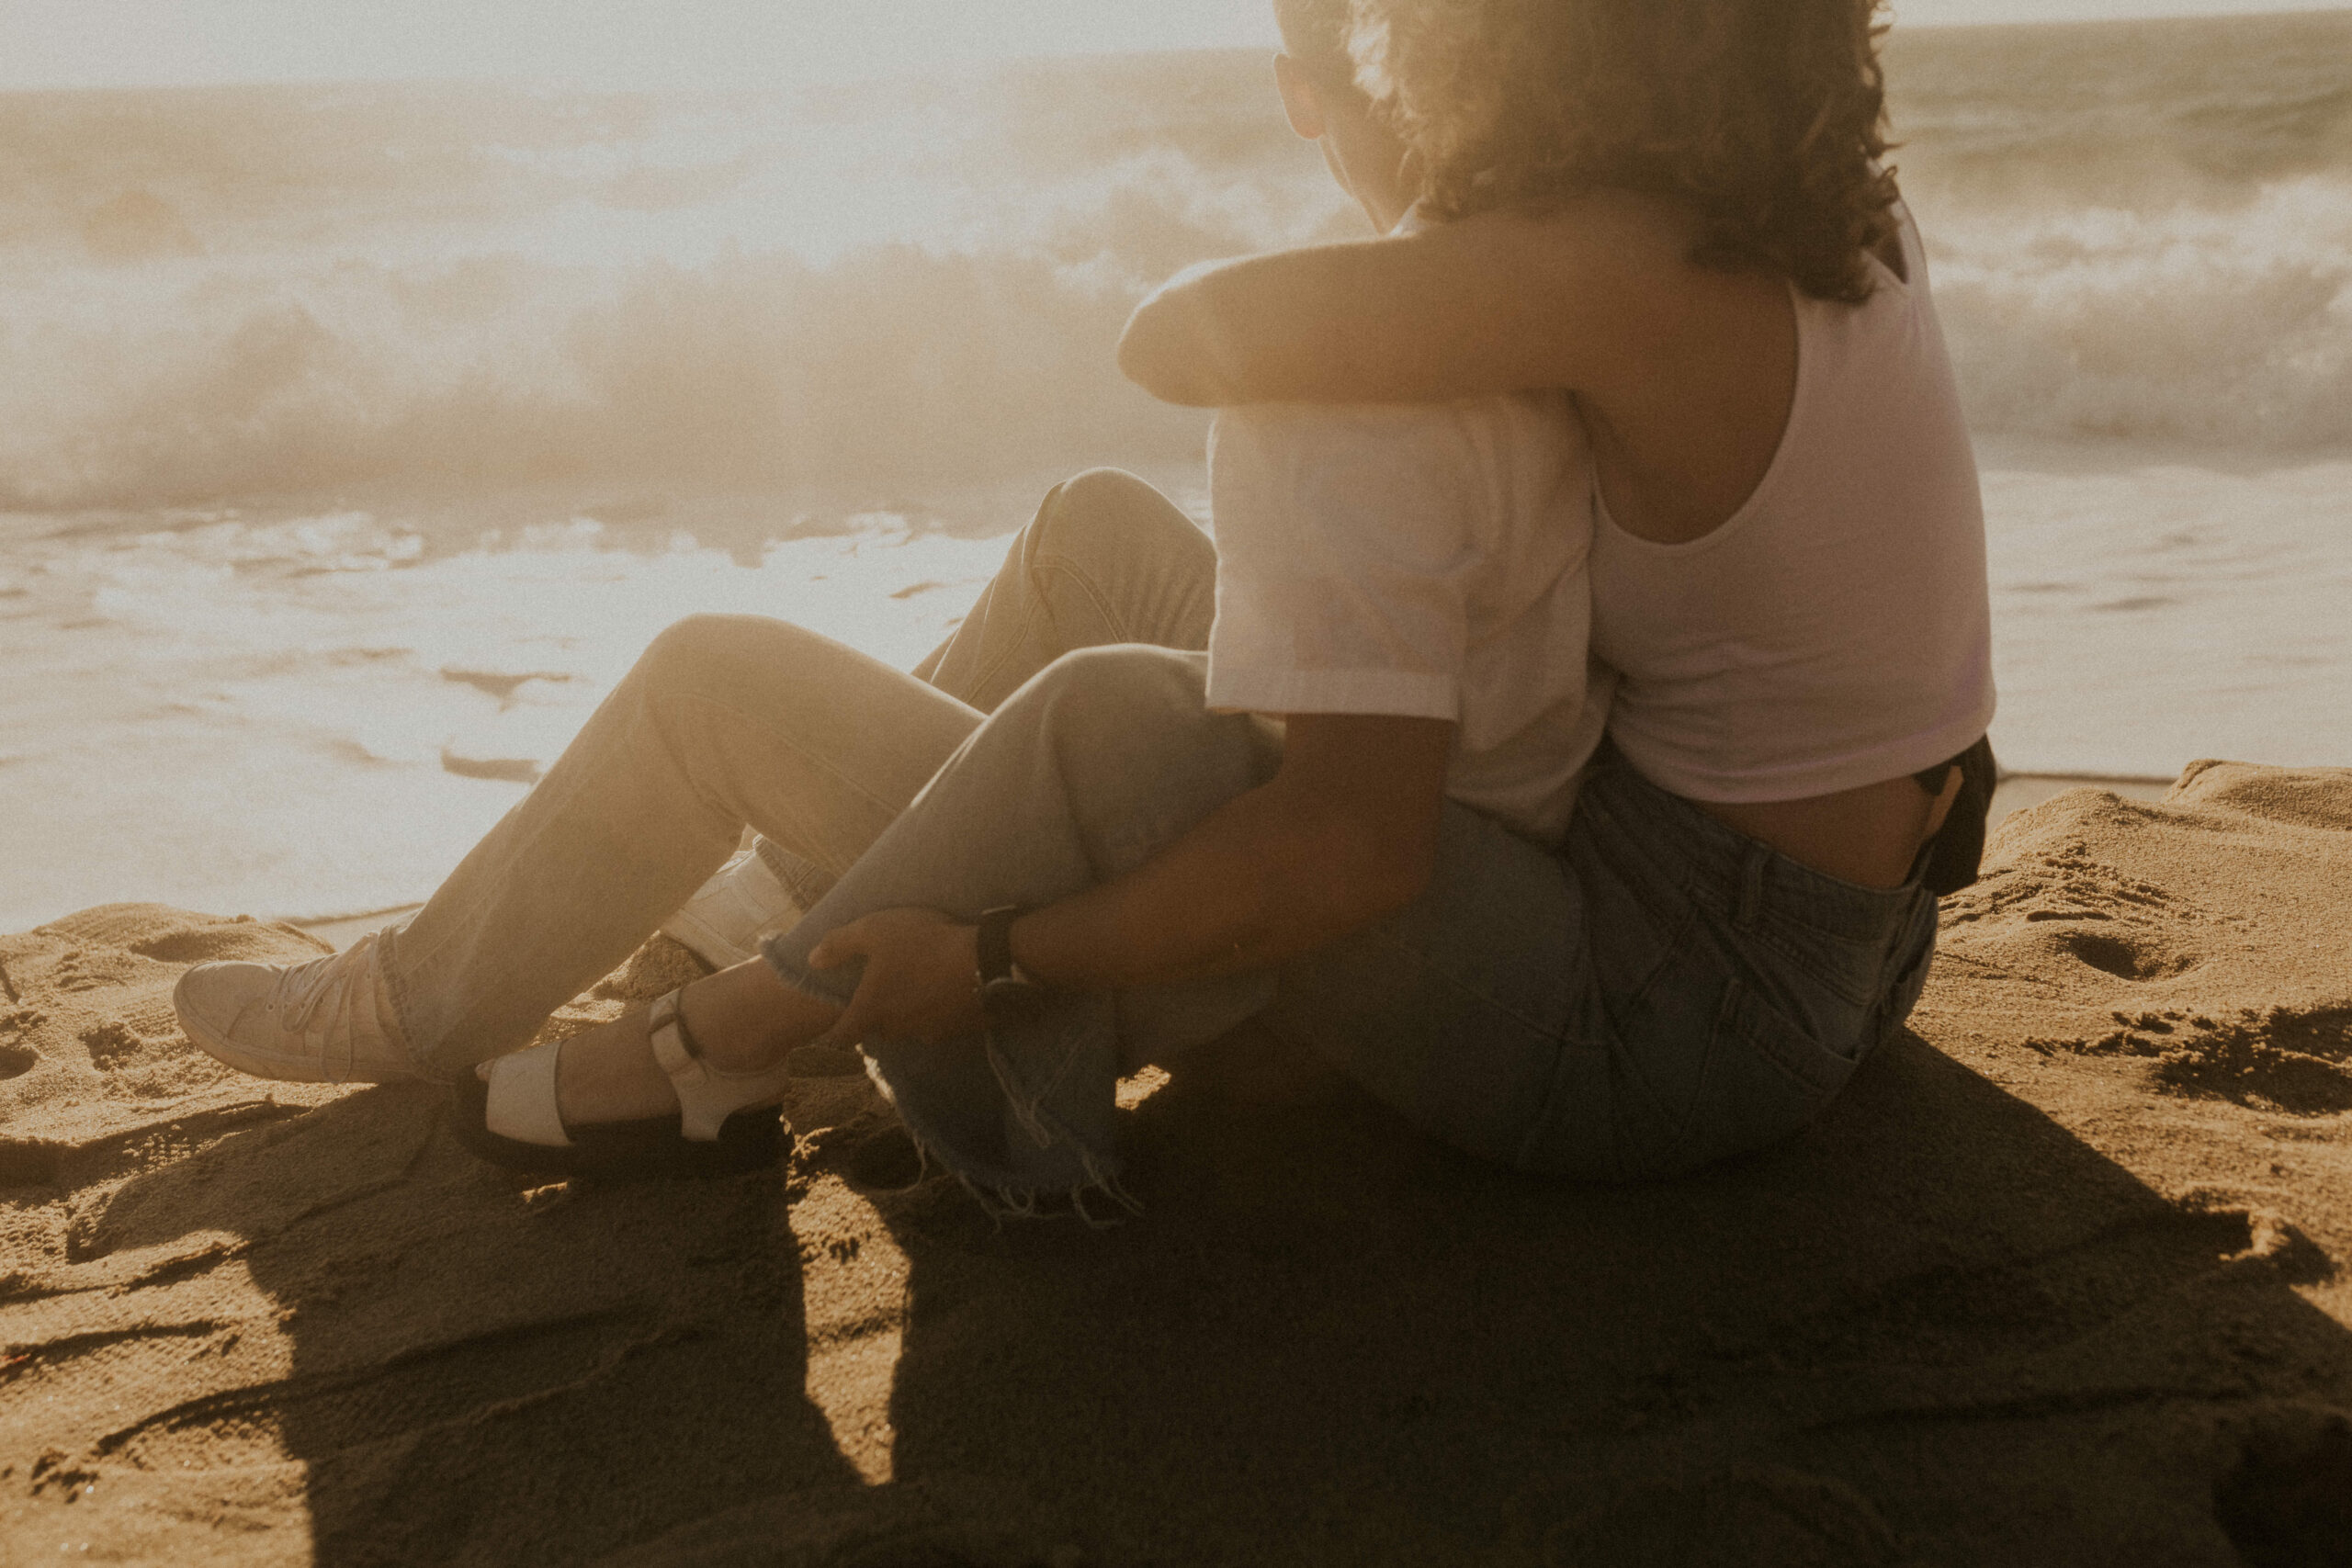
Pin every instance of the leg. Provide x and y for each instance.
(1106, 559)
(724, 721)
(1471, 1011)
(1085, 772)
(1657, 993)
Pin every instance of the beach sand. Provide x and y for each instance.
(2061, 1279)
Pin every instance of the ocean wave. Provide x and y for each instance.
(891, 366)
(2138, 231)
(2228, 327)
(898, 367)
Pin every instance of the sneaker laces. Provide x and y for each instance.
(333, 985)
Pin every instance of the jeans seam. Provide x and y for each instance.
(1122, 628)
(1690, 1116)
(1562, 1048)
(1005, 655)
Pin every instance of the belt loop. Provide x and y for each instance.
(1751, 887)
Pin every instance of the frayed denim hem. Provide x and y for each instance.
(1000, 1195)
(955, 1097)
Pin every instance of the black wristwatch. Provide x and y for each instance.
(1007, 993)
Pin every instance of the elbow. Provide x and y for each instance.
(1151, 354)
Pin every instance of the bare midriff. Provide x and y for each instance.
(1870, 836)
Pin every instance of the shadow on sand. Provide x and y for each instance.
(1936, 1329)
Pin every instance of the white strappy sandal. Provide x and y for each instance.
(508, 1115)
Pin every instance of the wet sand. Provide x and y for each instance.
(2060, 1279)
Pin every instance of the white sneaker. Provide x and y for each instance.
(323, 1022)
(743, 901)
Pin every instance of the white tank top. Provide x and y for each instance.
(1837, 631)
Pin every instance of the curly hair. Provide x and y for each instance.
(1766, 116)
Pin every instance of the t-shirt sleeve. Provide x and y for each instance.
(1346, 538)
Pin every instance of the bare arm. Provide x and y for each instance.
(1684, 374)
(1343, 834)
(1497, 302)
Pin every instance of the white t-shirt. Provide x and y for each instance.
(1420, 560)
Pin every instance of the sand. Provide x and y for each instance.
(2061, 1279)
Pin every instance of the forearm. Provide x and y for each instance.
(1344, 833)
(1256, 884)
(1254, 329)
(1493, 303)
(1295, 326)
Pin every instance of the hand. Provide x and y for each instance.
(921, 978)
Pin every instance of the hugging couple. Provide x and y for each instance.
(1567, 735)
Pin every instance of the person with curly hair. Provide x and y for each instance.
(1579, 406)
(1676, 211)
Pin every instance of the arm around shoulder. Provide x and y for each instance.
(1496, 302)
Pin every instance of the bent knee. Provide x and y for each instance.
(705, 648)
(1114, 697)
(1123, 676)
(1109, 512)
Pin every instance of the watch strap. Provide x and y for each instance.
(996, 945)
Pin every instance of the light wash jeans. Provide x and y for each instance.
(1653, 993)
(730, 721)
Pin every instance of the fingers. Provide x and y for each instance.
(918, 981)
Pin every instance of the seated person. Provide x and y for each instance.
(1107, 869)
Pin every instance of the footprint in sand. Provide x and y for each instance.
(2125, 954)
(114, 1046)
(2297, 1060)
(16, 1059)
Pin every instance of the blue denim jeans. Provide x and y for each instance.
(1656, 992)
(1653, 993)
(730, 721)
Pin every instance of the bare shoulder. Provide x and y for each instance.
(1614, 271)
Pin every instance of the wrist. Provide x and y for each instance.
(1008, 992)
(1015, 948)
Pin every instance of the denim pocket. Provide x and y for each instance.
(1850, 968)
(1764, 1078)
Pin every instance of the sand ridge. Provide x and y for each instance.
(2061, 1279)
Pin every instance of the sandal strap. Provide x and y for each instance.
(674, 1048)
(706, 1097)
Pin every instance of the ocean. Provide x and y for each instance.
(353, 439)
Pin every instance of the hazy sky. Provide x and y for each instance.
(124, 43)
